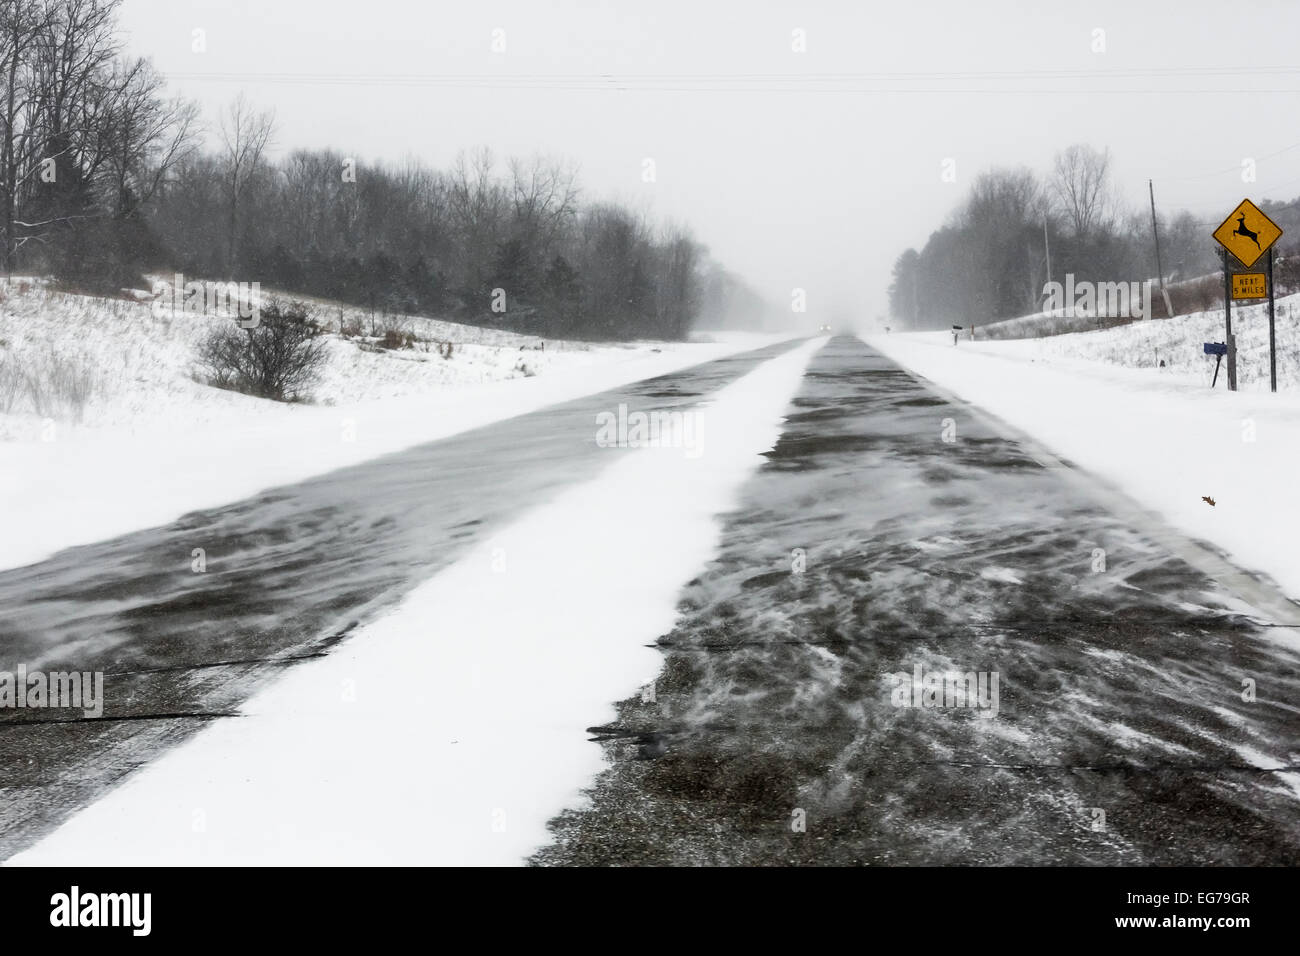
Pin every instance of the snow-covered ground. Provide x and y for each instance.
(1159, 434)
(138, 358)
(150, 443)
(451, 731)
(1178, 342)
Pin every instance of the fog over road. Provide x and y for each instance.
(889, 532)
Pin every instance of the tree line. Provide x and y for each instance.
(104, 177)
(990, 260)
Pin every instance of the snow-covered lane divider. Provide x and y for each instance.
(452, 730)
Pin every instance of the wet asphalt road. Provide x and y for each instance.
(774, 735)
(288, 573)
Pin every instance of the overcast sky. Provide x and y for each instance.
(798, 169)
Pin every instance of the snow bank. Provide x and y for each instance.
(1161, 436)
(451, 731)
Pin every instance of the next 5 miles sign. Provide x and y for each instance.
(1249, 285)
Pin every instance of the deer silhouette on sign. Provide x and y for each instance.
(1241, 230)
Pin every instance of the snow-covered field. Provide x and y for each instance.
(148, 443)
(449, 732)
(1159, 434)
(137, 359)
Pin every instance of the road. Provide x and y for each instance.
(1121, 735)
(890, 529)
(289, 573)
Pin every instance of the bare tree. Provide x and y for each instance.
(544, 197)
(245, 135)
(477, 205)
(1081, 188)
(22, 23)
(1190, 251)
(612, 246)
(148, 136)
(999, 219)
(74, 96)
(677, 283)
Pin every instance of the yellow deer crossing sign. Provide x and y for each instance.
(1247, 232)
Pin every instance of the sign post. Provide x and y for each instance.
(1246, 235)
(1272, 337)
(1229, 342)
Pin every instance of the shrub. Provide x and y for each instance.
(1194, 295)
(393, 339)
(12, 383)
(62, 385)
(279, 358)
(52, 385)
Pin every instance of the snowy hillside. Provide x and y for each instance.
(82, 360)
(1177, 342)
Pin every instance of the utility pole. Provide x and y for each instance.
(1048, 248)
(1155, 231)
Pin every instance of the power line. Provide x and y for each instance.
(784, 76)
(1230, 169)
(763, 82)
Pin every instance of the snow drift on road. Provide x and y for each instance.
(1165, 439)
